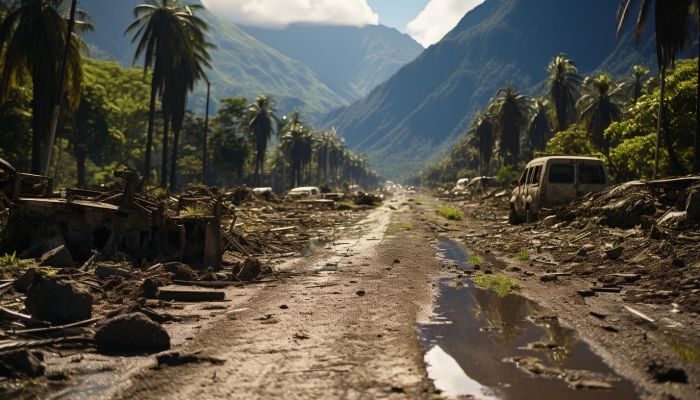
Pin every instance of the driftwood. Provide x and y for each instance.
(60, 327)
(190, 295)
(28, 344)
(7, 314)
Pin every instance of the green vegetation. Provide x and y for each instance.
(523, 256)
(418, 202)
(510, 268)
(458, 282)
(498, 283)
(11, 260)
(476, 260)
(376, 204)
(401, 225)
(193, 211)
(685, 352)
(450, 213)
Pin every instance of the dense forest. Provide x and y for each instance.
(114, 118)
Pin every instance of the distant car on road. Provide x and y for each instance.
(310, 192)
(554, 181)
(262, 190)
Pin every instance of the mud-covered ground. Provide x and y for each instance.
(340, 322)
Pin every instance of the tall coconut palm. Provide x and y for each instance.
(671, 31)
(260, 117)
(563, 83)
(32, 38)
(635, 83)
(600, 105)
(511, 111)
(539, 132)
(166, 32)
(481, 138)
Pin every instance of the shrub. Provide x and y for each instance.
(450, 213)
(498, 283)
(523, 256)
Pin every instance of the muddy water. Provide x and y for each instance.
(474, 334)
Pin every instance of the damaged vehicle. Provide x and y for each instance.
(552, 181)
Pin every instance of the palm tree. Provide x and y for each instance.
(600, 109)
(510, 110)
(635, 83)
(671, 30)
(539, 132)
(563, 83)
(260, 117)
(185, 75)
(33, 38)
(166, 32)
(481, 138)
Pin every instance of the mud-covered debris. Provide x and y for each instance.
(175, 358)
(22, 283)
(367, 199)
(586, 293)
(614, 254)
(190, 295)
(692, 205)
(182, 271)
(105, 271)
(592, 385)
(58, 301)
(149, 287)
(132, 332)
(250, 269)
(22, 362)
(57, 258)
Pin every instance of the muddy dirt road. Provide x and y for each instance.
(359, 317)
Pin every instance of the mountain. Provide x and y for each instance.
(350, 60)
(415, 117)
(242, 65)
(314, 69)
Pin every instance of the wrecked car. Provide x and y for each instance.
(553, 181)
(308, 192)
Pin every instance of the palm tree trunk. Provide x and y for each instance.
(80, 159)
(696, 165)
(164, 158)
(658, 123)
(173, 164)
(149, 136)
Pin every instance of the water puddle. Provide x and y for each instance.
(475, 336)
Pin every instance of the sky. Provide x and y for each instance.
(426, 21)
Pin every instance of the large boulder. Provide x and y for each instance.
(132, 332)
(57, 258)
(58, 301)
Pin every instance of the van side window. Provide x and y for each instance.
(590, 174)
(534, 178)
(559, 173)
(523, 177)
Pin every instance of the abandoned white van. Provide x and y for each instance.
(554, 181)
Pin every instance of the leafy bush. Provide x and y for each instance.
(450, 213)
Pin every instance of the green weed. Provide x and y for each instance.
(401, 225)
(192, 211)
(450, 213)
(458, 282)
(509, 245)
(523, 256)
(498, 283)
(11, 260)
(377, 204)
(417, 202)
(476, 260)
(685, 352)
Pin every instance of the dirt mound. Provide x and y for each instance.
(366, 199)
(58, 301)
(181, 271)
(620, 206)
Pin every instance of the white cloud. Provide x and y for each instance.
(280, 13)
(438, 18)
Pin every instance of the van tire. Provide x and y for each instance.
(513, 217)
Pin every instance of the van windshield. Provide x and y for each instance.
(561, 174)
(591, 174)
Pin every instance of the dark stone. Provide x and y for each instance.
(22, 283)
(692, 205)
(21, 362)
(360, 293)
(57, 258)
(664, 374)
(614, 254)
(250, 270)
(149, 287)
(548, 278)
(586, 293)
(132, 332)
(678, 263)
(58, 301)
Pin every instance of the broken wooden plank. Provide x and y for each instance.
(104, 272)
(206, 283)
(637, 313)
(190, 295)
(607, 289)
(286, 228)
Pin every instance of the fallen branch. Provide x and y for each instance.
(637, 313)
(60, 327)
(7, 314)
(27, 344)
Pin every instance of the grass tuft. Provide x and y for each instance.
(192, 211)
(498, 283)
(685, 352)
(450, 213)
(458, 282)
(476, 260)
(377, 204)
(401, 225)
(523, 256)
(11, 260)
(417, 202)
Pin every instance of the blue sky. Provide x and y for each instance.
(426, 21)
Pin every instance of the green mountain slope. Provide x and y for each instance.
(350, 60)
(415, 117)
(243, 66)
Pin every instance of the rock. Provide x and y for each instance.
(678, 263)
(58, 301)
(105, 272)
(614, 254)
(590, 384)
(132, 332)
(582, 252)
(692, 205)
(22, 362)
(548, 278)
(360, 293)
(182, 272)
(22, 283)
(586, 293)
(57, 258)
(149, 287)
(550, 221)
(250, 269)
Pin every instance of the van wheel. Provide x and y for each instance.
(513, 217)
